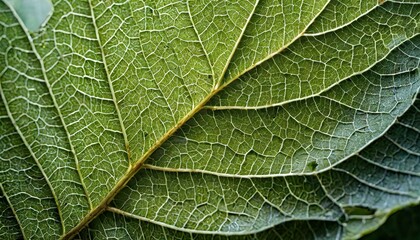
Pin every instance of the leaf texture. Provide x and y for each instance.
(209, 119)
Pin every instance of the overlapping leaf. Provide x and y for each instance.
(209, 119)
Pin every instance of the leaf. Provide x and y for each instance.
(209, 119)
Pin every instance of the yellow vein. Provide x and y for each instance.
(139, 163)
(135, 168)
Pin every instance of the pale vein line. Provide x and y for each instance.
(139, 163)
(372, 185)
(402, 147)
(178, 75)
(387, 168)
(231, 175)
(156, 82)
(41, 62)
(136, 167)
(114, 99)
(343, 25)
(298, 199)
(138, 217)
(339, 81)
(201, 42)
(166, 169)
(271, 55)
(13, 210)
(286, 215)
(408, 126)
(12, 119)
(235, 47)
(145, 219)
(327, 194)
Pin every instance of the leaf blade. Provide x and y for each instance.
(108, 83)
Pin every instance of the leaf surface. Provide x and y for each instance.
(208, 119)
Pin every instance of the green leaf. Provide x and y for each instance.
(208, 119)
